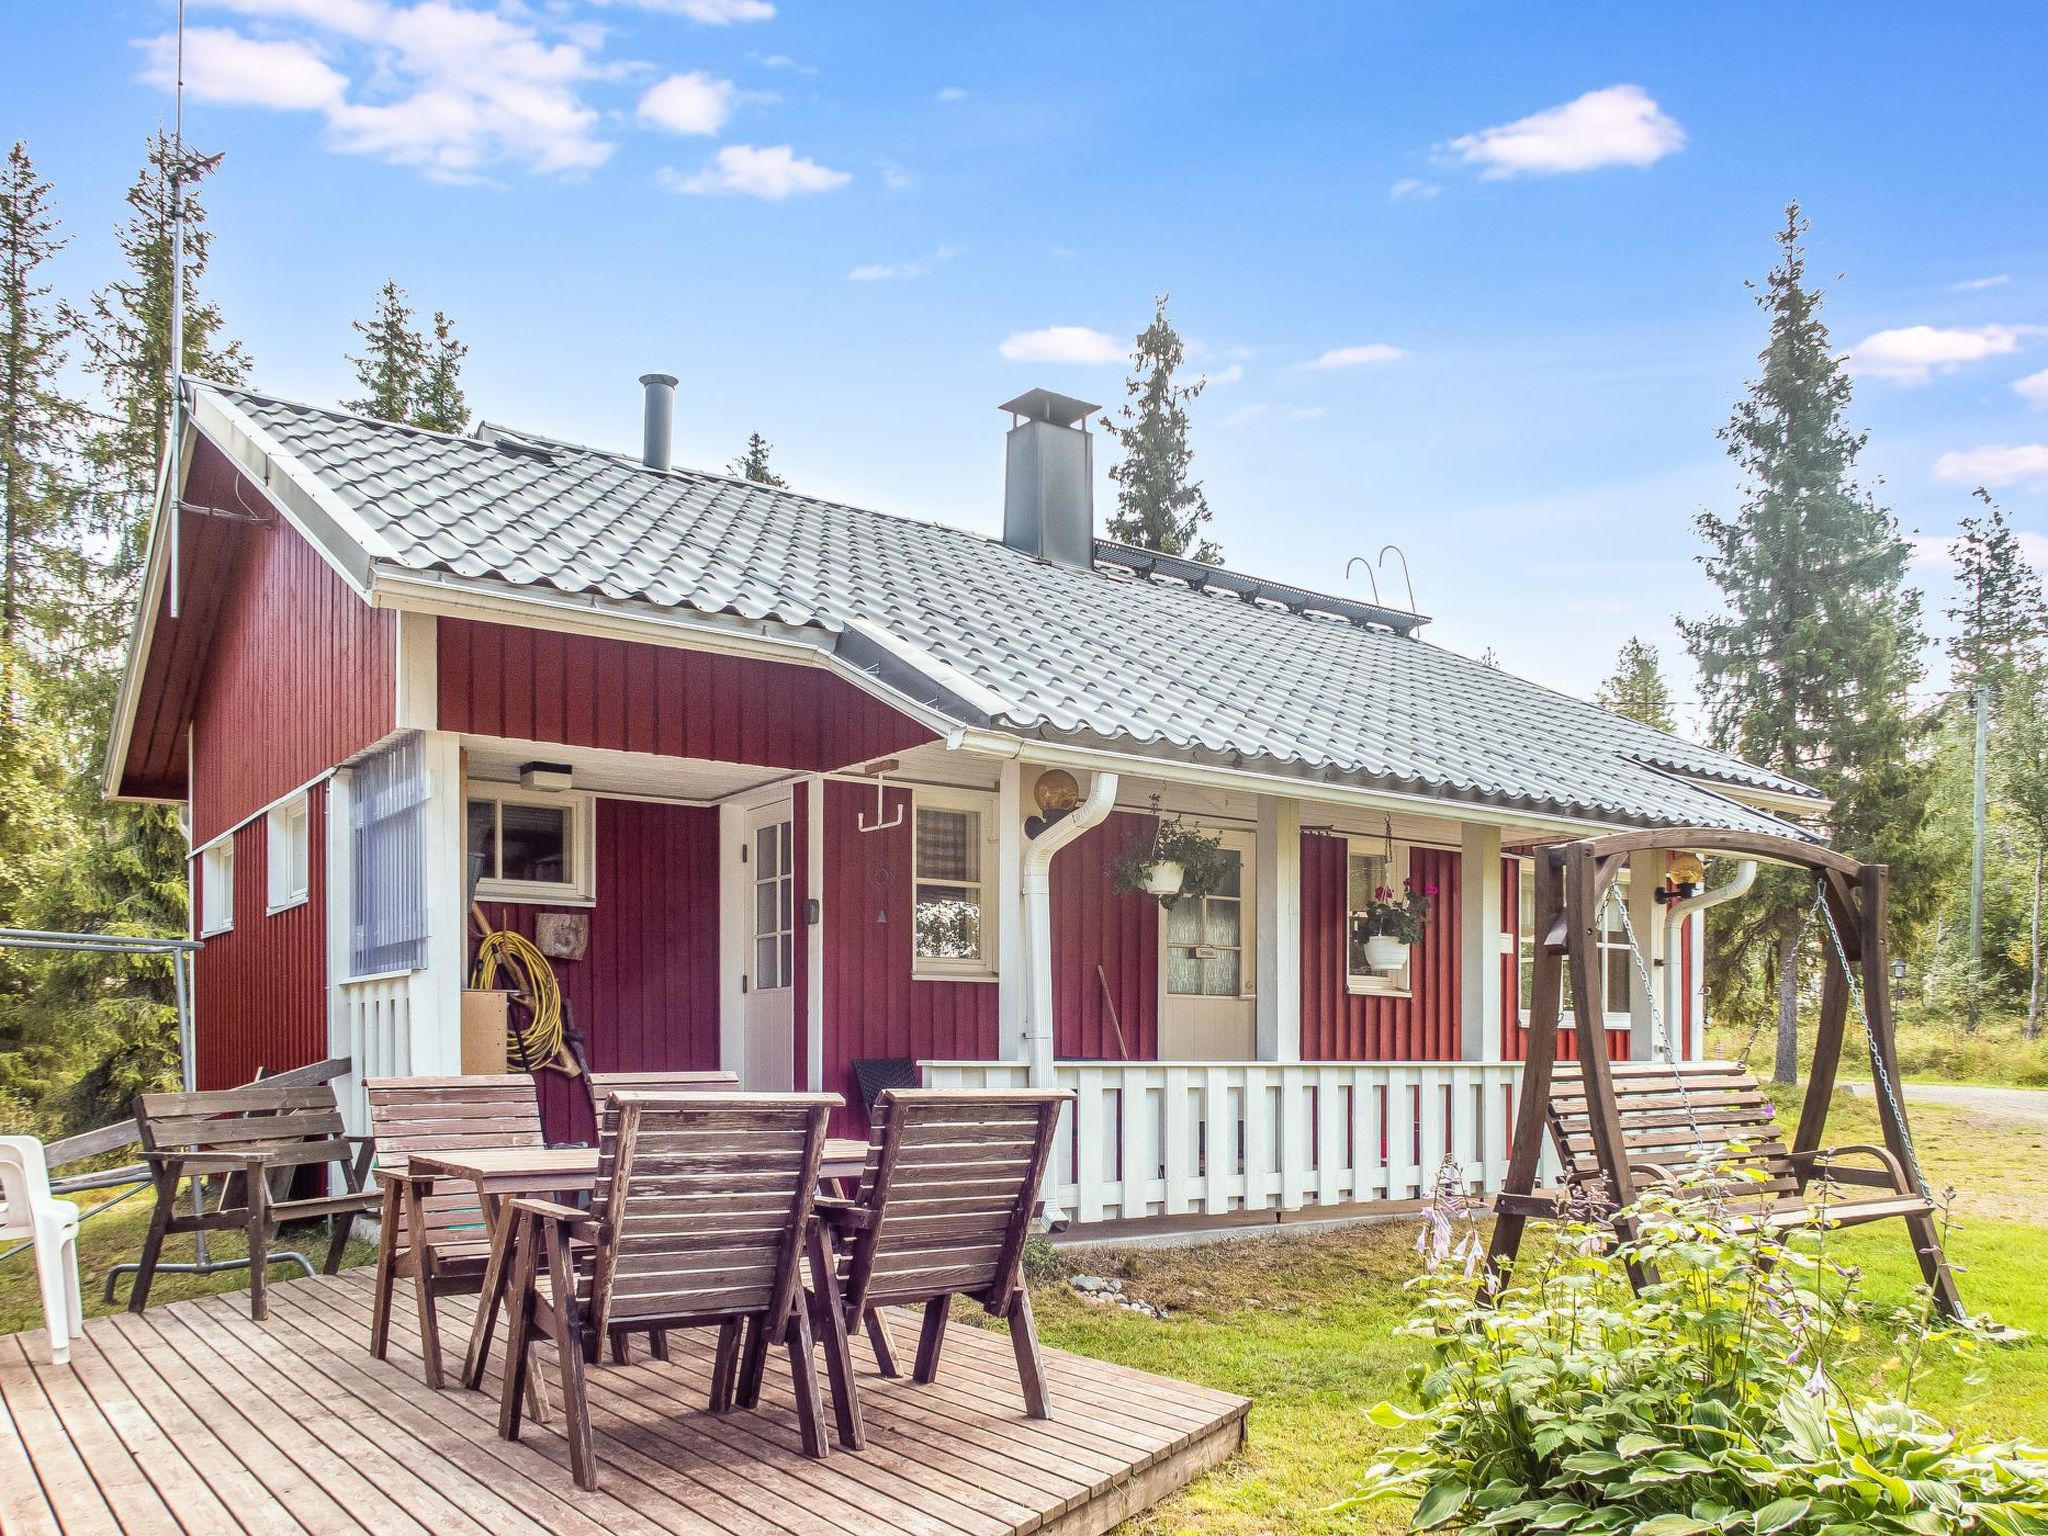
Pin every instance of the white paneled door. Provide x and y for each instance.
(769, 873)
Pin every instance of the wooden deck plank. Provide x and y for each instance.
(194, 1418)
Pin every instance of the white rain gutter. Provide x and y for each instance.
(1677, 913)
(1037, 883)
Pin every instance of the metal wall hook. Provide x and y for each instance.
(883, 820)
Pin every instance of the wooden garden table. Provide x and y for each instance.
(504, 1173)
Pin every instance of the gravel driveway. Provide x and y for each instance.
(2007, 1108)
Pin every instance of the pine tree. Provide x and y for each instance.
(1637, 688)
(1999, 612)
(1807, 669)
(438, 402)
(393, 358)
(1157, 505)
(753, 464)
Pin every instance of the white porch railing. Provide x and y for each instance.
(376, 1035)
(1170, 1138)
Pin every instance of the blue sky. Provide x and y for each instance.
(1466, 278)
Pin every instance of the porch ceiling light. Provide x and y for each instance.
(554, 776)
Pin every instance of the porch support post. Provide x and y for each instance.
(340, 911)
(733, 894)
(812, 1068)
(435, 1006)
(1010, 919)
(1646, 874)
(1479, 952)
(1278, 905)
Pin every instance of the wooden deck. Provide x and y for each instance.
(193, 1419)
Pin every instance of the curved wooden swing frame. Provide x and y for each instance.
(1572, 882)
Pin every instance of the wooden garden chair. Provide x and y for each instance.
(702, 1223)
(442, 1240)
(944, 1208)
(603, 1085)
(248, 1137)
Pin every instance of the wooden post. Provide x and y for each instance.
(1584, 890)
(1827, 1058)
(1539, 1058)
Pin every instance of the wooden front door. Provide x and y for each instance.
(769, 1063)
(1208, 1010)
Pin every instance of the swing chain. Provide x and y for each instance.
(1877, 1066)
(1660, 1036)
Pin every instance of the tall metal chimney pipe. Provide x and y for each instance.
(659, 419)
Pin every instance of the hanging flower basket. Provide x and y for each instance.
(1384, 953)
(1176, 860)
(1390, 925)
(1165, 878)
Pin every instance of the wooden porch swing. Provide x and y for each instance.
(1616, 1127)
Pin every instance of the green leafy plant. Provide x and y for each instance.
(1392, 914)
(1563, 1401)
(1205, 867)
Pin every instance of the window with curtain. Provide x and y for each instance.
(952, 918)
(387, 857)
(1205, 938)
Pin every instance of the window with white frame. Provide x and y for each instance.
(289, 852)
(1370, 868)
(1208, 939)
(217, 887)
(1616, 964)
(530, 845)
(953, 913)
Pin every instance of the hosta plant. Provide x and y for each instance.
(1562, 1401)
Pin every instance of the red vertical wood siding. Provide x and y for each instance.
(299, 678)
(1095, 924)
(1514, 1038)
(1338, 1026)
(260, 989)
(645, 993)
(872, 1005)
(537, 685)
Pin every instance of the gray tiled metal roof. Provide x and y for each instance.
(1103, 656)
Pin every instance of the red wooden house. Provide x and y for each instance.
(831, 786)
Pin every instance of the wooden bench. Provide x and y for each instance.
(944, 1209)
(248, 1137)
(703, 1223)
(441, 1239)
(1674, 1114)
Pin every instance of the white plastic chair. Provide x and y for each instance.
(29, 1210)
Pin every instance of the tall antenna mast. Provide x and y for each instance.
(174, 490)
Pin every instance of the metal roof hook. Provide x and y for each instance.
(1405, 577)
(1369, 576)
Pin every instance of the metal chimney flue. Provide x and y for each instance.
(658, 423)
(1049, 479)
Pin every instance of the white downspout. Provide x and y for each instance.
(1674, 973)
(1037, 882)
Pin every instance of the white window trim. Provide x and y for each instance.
(1525, 928)
(218, 855)
(278, 832)
(578, 892)
(1399, 983)
(1245, 844)
(984, 969)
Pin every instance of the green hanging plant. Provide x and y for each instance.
(1176, 860)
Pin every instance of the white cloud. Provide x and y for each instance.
(1931, 551)
(1620, 125)
(897, 178)
(784, 61)
(886, 271)
(711, 13)
(775, 173)
(692, 103)
(2033, 388)
(1355, 357)
(2024, 465)
(227, 67)
(1229, 374)
(950, 93)
(1412, 189)
(1979, 284)
(1062, 344)
(447, 89)
(1261, 410)
(1913, 354)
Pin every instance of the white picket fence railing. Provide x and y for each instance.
(375, 1033)
(1169, 1138)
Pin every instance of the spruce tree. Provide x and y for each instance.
(1999, 611)
(1157, 505)
(393, 358)
(1807, 669)
(753, 464)
(1637, 688)
(438, 402)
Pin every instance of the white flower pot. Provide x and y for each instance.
(1164, 878)
(1385, 954)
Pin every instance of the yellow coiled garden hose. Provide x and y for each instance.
(539, 1041)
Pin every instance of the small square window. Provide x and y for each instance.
(530, 846)
(290, 854)
(217, 888)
